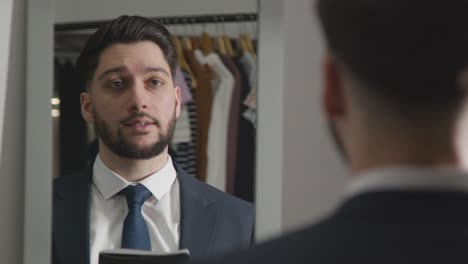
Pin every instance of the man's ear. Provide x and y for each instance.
(86, 107)
(333, 93)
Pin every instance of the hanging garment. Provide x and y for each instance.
(184, 149)
(223, 86)
(203, 97)
(192, 166)
(250, 100)
(244, 184)
(182, 133)
(233, 126)
(185, 93)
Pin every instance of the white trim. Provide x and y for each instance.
(269, 156)
(38, 161)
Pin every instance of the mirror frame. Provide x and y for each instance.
(37, 239)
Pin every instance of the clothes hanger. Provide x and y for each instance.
(206, 43)
(182, 62)
(196, 42)
(195, 38)
(221, 47)
(226, 40)
(243, 45)
(247, 42)
(180, 59)
(218, 39)
(186, 42)
(228, 44)
(250, 42)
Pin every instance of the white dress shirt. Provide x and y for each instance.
(108, 209)
(223, 85)
(409, 178)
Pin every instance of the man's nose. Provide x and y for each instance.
(138, 99)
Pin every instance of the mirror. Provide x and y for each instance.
(71, 136)
(227, 35)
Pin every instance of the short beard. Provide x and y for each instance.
(121, 147)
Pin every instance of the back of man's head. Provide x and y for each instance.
(408, 55)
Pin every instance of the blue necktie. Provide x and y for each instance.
(135, 232)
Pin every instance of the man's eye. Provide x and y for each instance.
(117, 84)
(155, 82)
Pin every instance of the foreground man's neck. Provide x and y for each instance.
(387, 158)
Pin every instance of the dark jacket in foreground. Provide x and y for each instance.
(376, 227)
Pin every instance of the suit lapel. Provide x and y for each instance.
(71, 213)
(199, 215)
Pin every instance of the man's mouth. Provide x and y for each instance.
(138, 124)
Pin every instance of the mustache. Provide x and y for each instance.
(140, 115)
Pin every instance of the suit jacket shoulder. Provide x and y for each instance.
(235, 205)
(212, 222)
(67, 183)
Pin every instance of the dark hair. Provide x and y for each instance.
(124, 29)
(408, 54)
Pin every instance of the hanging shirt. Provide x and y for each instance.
(223, 86)
(108, 209)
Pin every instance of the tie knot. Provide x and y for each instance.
(136, 194)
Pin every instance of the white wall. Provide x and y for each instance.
(314, 174)
(12, 114)
(90, 10)
(86, 10)
(299, 176)
(271, 70)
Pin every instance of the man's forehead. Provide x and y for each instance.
(142, 57)
(145, 51)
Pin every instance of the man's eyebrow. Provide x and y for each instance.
(157, 69)
(118, 69)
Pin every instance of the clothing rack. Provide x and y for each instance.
(171, 20)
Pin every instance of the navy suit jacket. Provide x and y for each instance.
(212, 222)
(375, 227)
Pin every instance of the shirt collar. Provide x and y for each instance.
(109, 183)
(409, 178)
